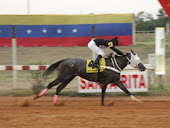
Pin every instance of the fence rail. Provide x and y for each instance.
(15, 68)
(153, 31)
(23, 67)
(44, 67)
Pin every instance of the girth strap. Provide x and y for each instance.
(111, 68)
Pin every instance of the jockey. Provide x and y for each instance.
(95, 45)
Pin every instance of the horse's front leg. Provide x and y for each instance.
(122, 87)
(104, 86)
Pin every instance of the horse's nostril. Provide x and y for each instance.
(142, 67)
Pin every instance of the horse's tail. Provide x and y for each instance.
(50, 69)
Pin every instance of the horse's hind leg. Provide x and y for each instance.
(50, 85)
(59, 88)
(55, 82)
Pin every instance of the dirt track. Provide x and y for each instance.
(74, 112)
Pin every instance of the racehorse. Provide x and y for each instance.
(71, 67)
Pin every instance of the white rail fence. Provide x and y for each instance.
(149, 72)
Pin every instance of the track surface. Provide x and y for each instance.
(86, 112)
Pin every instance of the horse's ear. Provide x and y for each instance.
(133, 52)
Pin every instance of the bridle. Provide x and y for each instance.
(134, 61)
(129, 61)
(115, 61)
(115, 67)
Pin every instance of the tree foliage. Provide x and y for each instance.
(145, 21)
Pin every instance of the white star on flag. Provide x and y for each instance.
(74, 30)
(59, 31)
(29, 31)
(0, 31)
(44, 30)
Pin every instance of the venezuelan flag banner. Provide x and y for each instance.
(65, 30)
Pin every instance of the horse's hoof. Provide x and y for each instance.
(140, 101)
(110, 104)
(55, 104)
(36, 97)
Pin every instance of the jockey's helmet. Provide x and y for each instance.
(115, 41)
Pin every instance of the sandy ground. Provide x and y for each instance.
(84, 112)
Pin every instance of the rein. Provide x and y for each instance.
(117, 64)
(112, 68)
(114, 62)
(128, 59)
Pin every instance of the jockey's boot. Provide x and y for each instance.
(96, 63)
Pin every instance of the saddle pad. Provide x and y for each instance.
(95, 70)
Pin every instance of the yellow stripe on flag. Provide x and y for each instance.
(65, 19)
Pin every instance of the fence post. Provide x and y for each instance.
(151, 72)
(160, 54)
(14, 56)
(93, 37)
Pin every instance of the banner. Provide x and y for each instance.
(133, 80)
(160, 51)
(166, 6)
(65, 30)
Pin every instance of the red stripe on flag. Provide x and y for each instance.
(63, 42)
(5, 42)
(53, 42)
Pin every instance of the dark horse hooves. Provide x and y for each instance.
(36, 97)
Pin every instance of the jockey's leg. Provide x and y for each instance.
(92, 45)
(99, 51)
(96, 62)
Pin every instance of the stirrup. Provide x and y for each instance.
(95, 65)
(91, 63)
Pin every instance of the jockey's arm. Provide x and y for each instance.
(118, 51)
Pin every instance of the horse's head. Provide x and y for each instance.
(132, 59)
(136, 62)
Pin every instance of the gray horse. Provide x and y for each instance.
(71, 67)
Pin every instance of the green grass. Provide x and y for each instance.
(149, 37)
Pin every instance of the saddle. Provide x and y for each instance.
(89, 64)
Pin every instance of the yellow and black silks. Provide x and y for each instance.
(95, 70)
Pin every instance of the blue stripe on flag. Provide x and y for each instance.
(79, 30)
(116, 29)
(53, 30)
(5, 31)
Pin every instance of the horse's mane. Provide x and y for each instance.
(109, 55)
